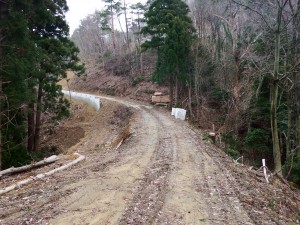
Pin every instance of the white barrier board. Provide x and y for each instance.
(92, 100)
(173, 111)
(179, 113)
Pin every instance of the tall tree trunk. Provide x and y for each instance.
(113, 28)
(125, 39)
(171, 87)
(296, 77)
(1, 97)
(233, 23)
(142, 63)
(237, 60)
(140, 50)
(274, 103)
(197, 79)
(139, 28)
(38, 118)
(30, 127)
(298, 133)
(288, 135)
(176, 92)
(2, 12)
(126, 24)
(190, 98)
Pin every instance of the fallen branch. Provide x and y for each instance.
(237, 160)
(42, 175)
(120, 143)
(124, 139)
(13, 170)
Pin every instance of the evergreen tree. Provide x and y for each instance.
(57, 54)
(35, 54)
(17, 58)
(172, 33)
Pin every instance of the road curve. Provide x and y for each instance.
(162, 175)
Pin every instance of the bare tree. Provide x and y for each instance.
(138, 10)
(126, 24)
(113, 7)
(294, 50)
(276, 21)
(92, 37)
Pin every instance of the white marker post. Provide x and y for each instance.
(265, 170)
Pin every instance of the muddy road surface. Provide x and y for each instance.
(163, 173)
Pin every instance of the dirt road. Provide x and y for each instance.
(162, 174)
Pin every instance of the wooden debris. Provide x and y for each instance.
(120, 143)
(161, 99)
(240, 158)
(158, 94)
(13, 170)
(161, 104)
(42, 175)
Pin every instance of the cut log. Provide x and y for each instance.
(13, 170)
(158, 93)
(161, 99)
(161, 104)
(42, 175)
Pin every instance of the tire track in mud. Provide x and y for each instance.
(200, 190)
(217, 184)
(171, 179)
(117, 174)
(183, 204)
(150, 195)
(183, 183)
(176, 181)
(233, 191)
(164, 174)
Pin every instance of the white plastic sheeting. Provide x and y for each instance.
(178, 113)
(173, 111)
(92, 100)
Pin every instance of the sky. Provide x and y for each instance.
(79, 9)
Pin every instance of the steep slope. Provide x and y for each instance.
(120, 76)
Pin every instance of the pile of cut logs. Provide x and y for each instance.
(160, 99)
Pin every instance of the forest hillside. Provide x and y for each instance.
(233, 65)
(235, 68)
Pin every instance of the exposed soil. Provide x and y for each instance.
(65, 137)
(120, 76)
(163, 173)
